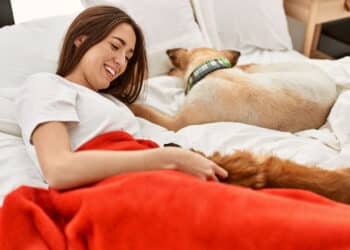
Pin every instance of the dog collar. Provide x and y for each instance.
(206, 68)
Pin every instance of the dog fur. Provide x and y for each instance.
(248, 170)
(285, 96)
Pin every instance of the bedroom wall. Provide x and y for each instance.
(47, 8)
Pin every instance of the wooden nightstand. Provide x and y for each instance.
(313, 13)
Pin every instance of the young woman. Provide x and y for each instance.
(103, 52)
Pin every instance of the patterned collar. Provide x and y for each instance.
(206, 68)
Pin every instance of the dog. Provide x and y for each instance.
(284, 96)
(256, 172)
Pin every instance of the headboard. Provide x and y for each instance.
(6, 14)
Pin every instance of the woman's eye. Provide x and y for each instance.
(114, 47)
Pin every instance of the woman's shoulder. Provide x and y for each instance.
(44, 80)
(45, 85)
(43, 76)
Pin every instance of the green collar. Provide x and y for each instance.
(206, 68)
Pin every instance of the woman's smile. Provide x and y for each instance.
(111, 73)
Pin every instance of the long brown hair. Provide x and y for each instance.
(96, 23)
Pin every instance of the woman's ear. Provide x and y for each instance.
(79, 40)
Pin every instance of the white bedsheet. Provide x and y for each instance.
(16, 168)
(328, 147)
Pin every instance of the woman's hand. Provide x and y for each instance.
(195, 164)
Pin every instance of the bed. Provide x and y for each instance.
(327, 147)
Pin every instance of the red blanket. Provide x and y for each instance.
(169, 210)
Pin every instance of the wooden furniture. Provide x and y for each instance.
(6, 15)
(313, 13)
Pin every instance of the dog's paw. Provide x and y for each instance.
(243, 169)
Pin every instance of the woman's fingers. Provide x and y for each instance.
(221, 172)
(197, 164)
(213, 178)
(215, 171)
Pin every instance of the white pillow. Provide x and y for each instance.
(244, 25)
(30, 47)
(8, 122)
(166, 24)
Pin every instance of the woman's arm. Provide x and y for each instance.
(64, 168)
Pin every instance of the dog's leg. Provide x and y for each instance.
(189, 114)
(248, 170)
(158, 117)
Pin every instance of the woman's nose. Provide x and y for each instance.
(120, 59)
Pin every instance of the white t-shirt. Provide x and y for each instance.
(48, 97)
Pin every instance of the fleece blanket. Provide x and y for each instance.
(168, 210)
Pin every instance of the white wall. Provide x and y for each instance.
(25, 10)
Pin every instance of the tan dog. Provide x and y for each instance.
(285, 96)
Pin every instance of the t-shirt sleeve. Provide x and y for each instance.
(44, 98)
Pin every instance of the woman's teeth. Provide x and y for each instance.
(110, 70)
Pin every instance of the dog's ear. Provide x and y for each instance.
(178, 57)
(232, 56)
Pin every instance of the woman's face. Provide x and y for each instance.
(106, 60)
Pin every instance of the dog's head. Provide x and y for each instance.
(186, 60)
